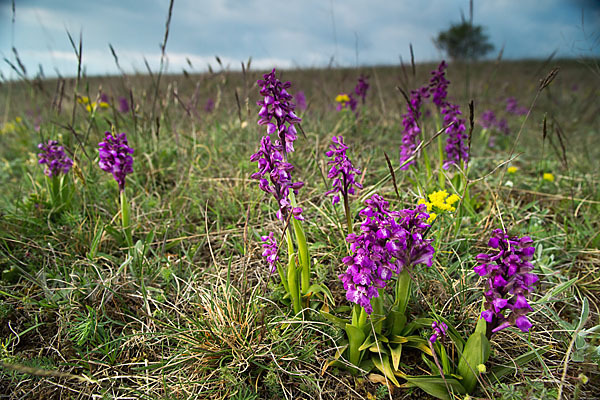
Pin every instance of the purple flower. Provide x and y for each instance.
(342, 171)
(410, 138)
(488, 119)
(456, 147)
(512, 106)
(270, 250)
(104, 98)
(274, 172)
(390, 241)
(502, 126)
(509, 280)
(456, 143)
(438, 85)
(361, 88)
(301, 100)
(123, 105)
(55, 158)
(115, 157)
(440, 329)
(274, 176)
(210, 105)
(277, 111)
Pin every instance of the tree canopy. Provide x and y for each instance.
(464, 41)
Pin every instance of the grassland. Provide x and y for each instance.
(191, 311)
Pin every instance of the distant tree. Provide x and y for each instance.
(464, 41)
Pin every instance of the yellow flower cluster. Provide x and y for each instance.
(512, 170)
(91, 106)
(342, 98)
(548, 177)
(11, 127)
(441, 201)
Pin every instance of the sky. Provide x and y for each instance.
(283, 34)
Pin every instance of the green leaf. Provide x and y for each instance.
(395, 322)
(579, 341)
(378, 348)
(95, 242)
(396, 354)
(356, 338)
(416, 324)
(476, 351)
(430, 364)
(367, 365)
(339, 322)
(585, 313)
(382, 362)
(372, 341)
(368, 342)
(398, 339)
(435, 385)
(317, 288)
(417, 342)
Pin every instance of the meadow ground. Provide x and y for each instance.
(190, 311)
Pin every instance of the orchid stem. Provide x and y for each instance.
(402, 291)
(125, 220)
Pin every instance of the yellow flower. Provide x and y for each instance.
(432, 217)
(18, 120)
(512, 170)
(438, 197)
(91, 107)
(342, 98)
(548, 177)
(441, 201)
(8, 127)
(452, 199)
(103, 104)
(83, 100)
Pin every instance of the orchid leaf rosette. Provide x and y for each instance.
(390, 245)
(115, 156)
(57, 166)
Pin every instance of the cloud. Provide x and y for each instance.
(302, 33)
(133, 61)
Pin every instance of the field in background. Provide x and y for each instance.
(197, 315)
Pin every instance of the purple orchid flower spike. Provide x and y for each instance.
(277, 111)
(509, 280)
(342, 171)
(361, 88)
(270, 251)
(390, 241)
(55, 159)
(410, 138)
(440, 330)
(115, 157)
(274, 176)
